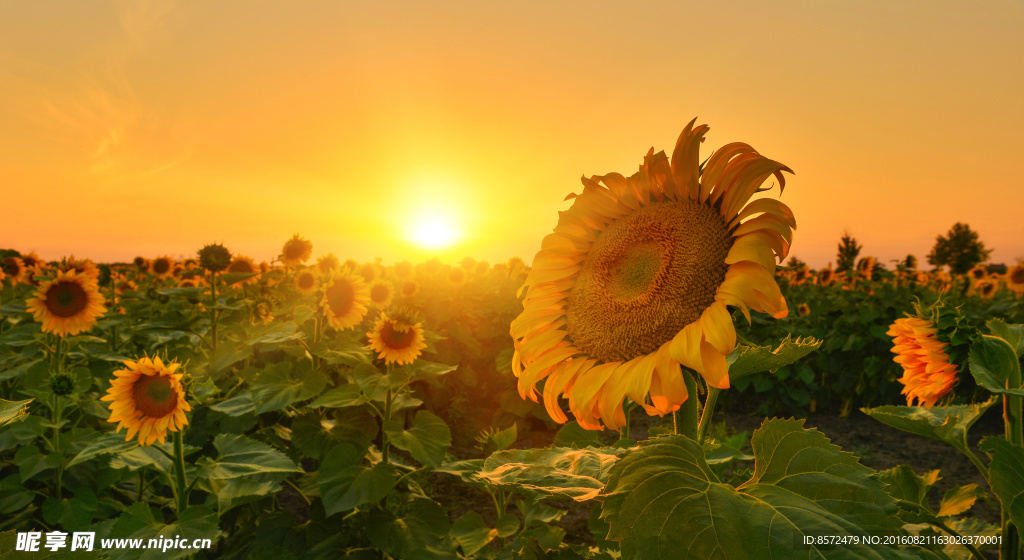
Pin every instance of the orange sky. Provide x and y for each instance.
(153, 127)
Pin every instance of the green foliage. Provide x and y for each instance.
(948, 424)
(573, 473)
(960, 249)
(1006, 475)
(11, 412)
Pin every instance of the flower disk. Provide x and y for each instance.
(296, 251)
(147, 398)
(927, 372)
(345, 299)
(637, 276)
(68, 304)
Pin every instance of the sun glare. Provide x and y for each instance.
(433, 233)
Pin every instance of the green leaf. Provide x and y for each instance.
(960, 499)
(106, 444)
(1012, 334)
(13, 411)
(1006, 475)
(339, 397)
(426, 440)
(196, 522)
(237, 491)
(13, 495)
(419, 533)
(906, 486)
(229, 278)
(284, 384)
(944, 423)
(239, 456)
(507, 526)
(504, 439)
(576, 436)
(139, 457)
(465, 470)
(579, 474)
(275, 333)
(471, 533)
(345, 482)
(238, 405)
(31, 461)
(663, 500)
(993, 362)
(427, 371)
(748, 360)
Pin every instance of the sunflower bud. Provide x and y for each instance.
(214, 257)
(62, 384)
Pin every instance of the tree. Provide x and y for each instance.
(960, 249)
(848, 251)
(795, 263)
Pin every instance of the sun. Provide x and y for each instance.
(433, 233)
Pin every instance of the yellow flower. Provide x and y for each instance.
(1015, 277)
(803, 310)
(410, 288)
(305, 282)
(246, 265)
(381, 293)
(32, 259)
(978, 272)
(262, 311)
(397, 338)
(68, 304)
(826, 276)
(927, 373)
(162, 267)
(368, 271)
(637, 277)
(296, 251)
(345, 299)
(147, 398)
(327, 264)
(13, 268)
(986, 287)
(866, 267)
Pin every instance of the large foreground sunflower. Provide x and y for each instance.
(637, 277)
(397, 337)
(928, 372)
(345, 299)
(68, 304)
(147, 398)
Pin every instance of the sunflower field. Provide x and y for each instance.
(563, 408)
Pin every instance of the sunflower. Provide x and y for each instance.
(245, 265)
(305, 282)
(802, 275)
(195, 281)
(381, 294)
(13, 268)
(865, 267)
(927, 372)
(410, 288)
(403, 270)
(141, 263)
(162, 267)
(1015, 277)
(456, 276)
(397, 337)
(637, 277)
(978, 272)
(296, 251)
(368, 271)
(32, 259)
(803, 310)
(122, 285)
(345, 299)
(327, 264)
(147, 398)
(68, 304)
(262, 311)
(826, 276)
(986, 288)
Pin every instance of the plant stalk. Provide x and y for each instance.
(181, 491)
(709, 411)
(685, 419)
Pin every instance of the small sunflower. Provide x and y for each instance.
(296, 251)
(369, 272)
(381, 294)
(141, 263)
(68, 304)
(457, 276)
(410, 288)
(327, 264)
(32, 259)
(986, 288)
(978, 272)
(802, 275)
(147, 398)
(345, 299)
(81, 266)
(214, 257)
(245, 265)
(305, 282)
(927, 372)
(14, 269)
(122, 285)
(637, 277)
(826, 276)
(1015, 277)
(397, 337)
(193, 282)
(866, 267)
(262, 311)
(803, 310)
(162, 267)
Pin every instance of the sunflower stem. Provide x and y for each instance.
(181, 492)
(1012, 417)
(56, 446)
(384, 443)
(685, 419)
(213, 322)
(709, 411)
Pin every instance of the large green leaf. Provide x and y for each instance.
(426, 440)
(346, 482)
(910, 491)
(944, 423)
(1006, 475)
(993, 362)
(232, 492)
(471, 533)
(664, 501)
(579, 474)
(238, 405)
(574, 435)
(12, 411)
(197, 522)
(1012, 334)
(748, 360)
(960, 499)
(106, 444)
(284, 384)
(420, 532)
(239, 456)
(340, 397)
